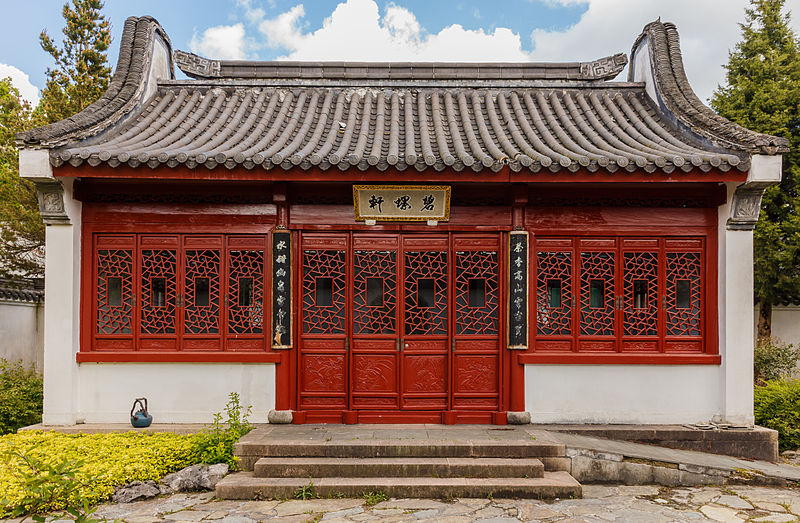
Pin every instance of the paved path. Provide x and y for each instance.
(600, 503)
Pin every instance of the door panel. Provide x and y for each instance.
(476, 347)
(640, 301)
(374, 369)
(159, 294)
(322, 372)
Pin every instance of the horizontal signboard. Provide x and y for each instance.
(401, 202)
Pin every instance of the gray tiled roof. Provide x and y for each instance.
(395, 116)
(29, 290)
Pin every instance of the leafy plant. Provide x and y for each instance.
(777, 406)
(20, 396)
(773, 359)
(305, 492)
(215, 443)
(373, 497)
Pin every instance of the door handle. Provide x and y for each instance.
(347, 343)
(453, 345)
(399, 345)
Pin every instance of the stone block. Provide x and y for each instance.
(518, 418)
(280, 416)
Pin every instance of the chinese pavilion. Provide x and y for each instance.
(400, 242)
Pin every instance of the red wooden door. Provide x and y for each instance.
(324, 336)
(476, 325)
(375, 371)
(425, 361)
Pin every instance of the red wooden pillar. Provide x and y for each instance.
(284, 382)
(516, 370)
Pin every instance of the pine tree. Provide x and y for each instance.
(763, 94)
(81, 73)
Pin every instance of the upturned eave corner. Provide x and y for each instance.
(661, 68)
(145, 57)
(765, 170)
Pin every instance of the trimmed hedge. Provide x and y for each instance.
(20, 396)
(777, 406)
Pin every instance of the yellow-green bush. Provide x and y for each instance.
(108, 460)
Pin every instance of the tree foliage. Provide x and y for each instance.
(81, 73)
(763, 94)
(21, 230)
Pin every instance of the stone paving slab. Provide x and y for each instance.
(600, 503)
(688, 460)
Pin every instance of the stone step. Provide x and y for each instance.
(248, 448)
(399, 467)
(244, 485)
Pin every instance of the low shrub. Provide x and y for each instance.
(215, 443)
(97, 463)
(773, 359)
(777, 406)
(20, 396)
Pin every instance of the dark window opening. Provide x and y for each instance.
(554, 294)
(324, 292)
(201, 292)
(114, 291)
(426, 293)
(245, 292)
(477, 292)
(640, 294)
(597, 294)
(683, 294)
(374, 292)
(158, 292)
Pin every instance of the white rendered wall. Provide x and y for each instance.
(785, 323)
(645, 394)
(176, 392)
(22, 332)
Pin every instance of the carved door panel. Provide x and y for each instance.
(683, 295)
(640, 295)
(597, 303)
(374, 367)
(202, 266)
(476, 323)
(245, 296)
(158, 292)
(425, 369)
(324, 341)
(114, 296)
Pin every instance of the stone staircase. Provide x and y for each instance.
(443, 467)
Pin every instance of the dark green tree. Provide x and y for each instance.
(21, 230)
(763, 94)
(81, 73)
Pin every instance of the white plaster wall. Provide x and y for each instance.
(22, 333)
(785, 323)
(176, 392)
(648, 394)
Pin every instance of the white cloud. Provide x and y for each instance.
(21, 81)
(225, 42)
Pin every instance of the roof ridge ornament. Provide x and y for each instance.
(197, 66)
(604, 68)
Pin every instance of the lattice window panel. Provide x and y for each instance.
(377, 319)
(426, 320)
(598, 321)
(554, 266)
(324, 319)
(158, 319)
(202, 319)
(245, 265)
(683, 321)
(476, 265)
(640, 321)
(116, 263)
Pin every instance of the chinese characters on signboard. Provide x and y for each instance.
(518, 291)
(401, 202)
(281, 290)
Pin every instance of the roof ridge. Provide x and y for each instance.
(677, 95)
(123, 92)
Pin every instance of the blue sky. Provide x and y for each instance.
(460, 30)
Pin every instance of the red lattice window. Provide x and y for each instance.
(683, 305)
(554, 293)
(324, 280)
(114, 293)
(201, 292)
(158, 304)
(476, 292)
(374, 292)
(597, 293)
(426, 293)
(245, 291)
(640, 284)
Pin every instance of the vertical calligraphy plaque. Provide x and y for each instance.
(518, 290)
(281, 289)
